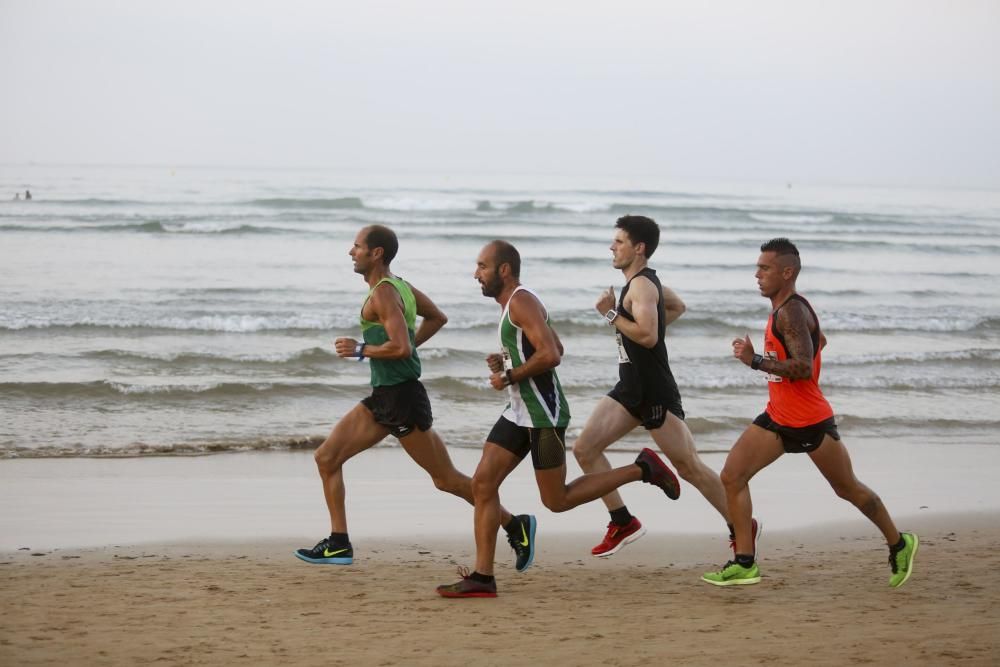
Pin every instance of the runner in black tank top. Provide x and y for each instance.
(646, 386)
(646, 393)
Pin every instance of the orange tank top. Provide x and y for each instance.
(795, 403)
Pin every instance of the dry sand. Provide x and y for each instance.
(824, 600)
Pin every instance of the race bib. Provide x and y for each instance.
(508, 363)
(771, 377)
(622, 354)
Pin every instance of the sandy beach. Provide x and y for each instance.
(188, 561)
(823, 601)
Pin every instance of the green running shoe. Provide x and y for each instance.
(901, 561)
(733, 574)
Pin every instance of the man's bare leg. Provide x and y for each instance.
(608, 423)
(428, 450)
(675, 440)
(559, 496)
(834, 463)
(754, 450)
(355, 432)
(494, 467)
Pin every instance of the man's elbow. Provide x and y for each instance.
(400, 351)
(552, 359)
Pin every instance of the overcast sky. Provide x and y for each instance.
(898, 93)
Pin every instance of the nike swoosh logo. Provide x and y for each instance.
(524, 537)
(327, 553)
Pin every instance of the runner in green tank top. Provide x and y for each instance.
(398, 404)
(534, 420)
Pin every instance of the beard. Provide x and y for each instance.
(493, 286)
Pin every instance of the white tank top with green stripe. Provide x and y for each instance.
(539, 401)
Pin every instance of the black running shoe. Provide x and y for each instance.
(522, 541)
(326, 553)
(656, 472)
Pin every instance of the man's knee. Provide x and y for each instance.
(686, 469)
(852, 492)
(585, 452)
(327, 457)
(484, 487)
(555, 502)
(732, 479)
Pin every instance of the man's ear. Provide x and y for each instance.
(640, 248)
(377, 253)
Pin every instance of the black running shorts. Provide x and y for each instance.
(651, 414)
(547, 445)
(799, 440)
(401, 407)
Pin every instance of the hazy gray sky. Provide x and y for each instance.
(894, 92)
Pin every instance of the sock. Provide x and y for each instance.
(512, 526)
(644, 467)
(620, 516)
(481, 578)
(339, 540)
(898, 545)
(744, 560)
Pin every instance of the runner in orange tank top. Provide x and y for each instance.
(798, 419)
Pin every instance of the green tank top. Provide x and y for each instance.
(539, 401)
(393, 371)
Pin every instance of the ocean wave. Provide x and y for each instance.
(973, 356)
(140, 449)
(110, 389)
(567, 324)
(308, 203)
(212, 323)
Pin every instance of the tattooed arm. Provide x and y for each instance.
(796, 324)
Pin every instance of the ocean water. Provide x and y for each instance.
(156, 310)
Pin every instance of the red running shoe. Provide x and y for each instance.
(656, 472)
(617, 537)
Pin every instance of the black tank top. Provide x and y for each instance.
(643, 370)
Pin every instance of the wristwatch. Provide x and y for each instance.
(611, 315)
(756, 361)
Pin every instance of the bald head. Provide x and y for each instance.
(506, 253)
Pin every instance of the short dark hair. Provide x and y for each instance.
(506, 253)
(641, 229)
(380, 236)
(780, 246)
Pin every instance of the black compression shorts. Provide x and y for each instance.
(547, 445)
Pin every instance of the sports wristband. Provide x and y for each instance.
(611, 315)
(510, 378)
(359, 351)
(756, 362)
